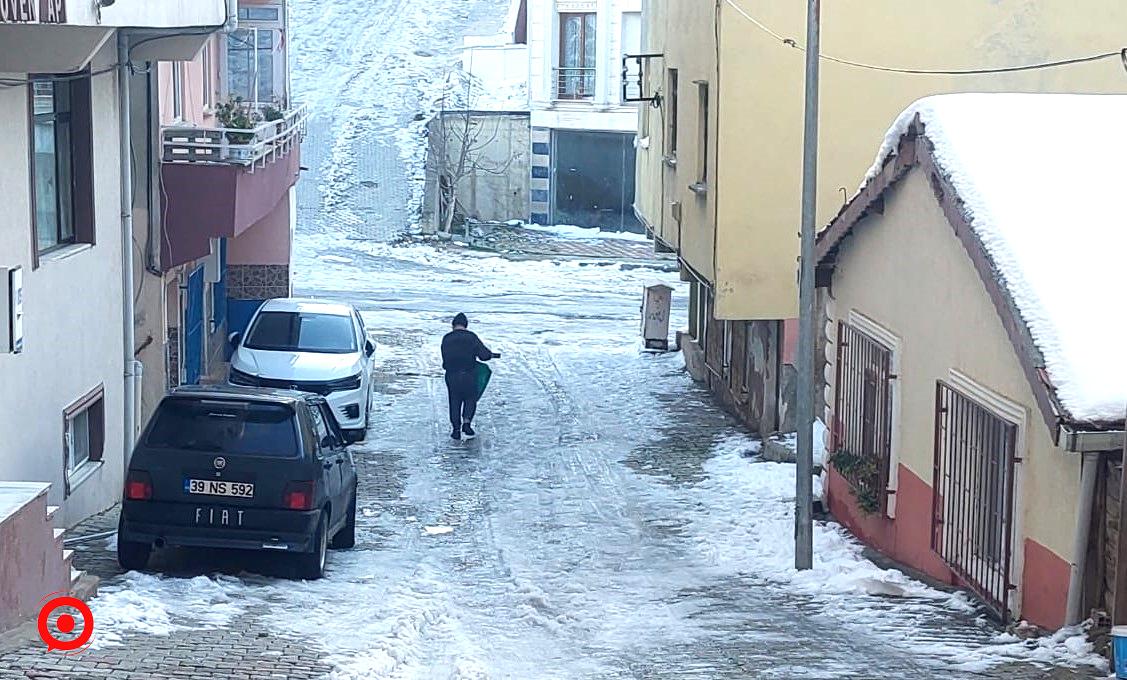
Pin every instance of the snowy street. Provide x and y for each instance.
(607, 522)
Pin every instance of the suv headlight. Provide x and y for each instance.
(237, 377)
(344, 384)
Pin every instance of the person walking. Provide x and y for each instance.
(461, 350)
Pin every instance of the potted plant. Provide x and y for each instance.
(272, 113)
(235, 115)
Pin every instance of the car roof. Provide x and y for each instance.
(236, 393)
(307, 305)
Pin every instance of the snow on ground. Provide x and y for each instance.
(745, 522)
(1058, 252)
(581, 233)
(158, 605)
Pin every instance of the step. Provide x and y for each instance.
(59, 534)
(85, 586)
(52, 510)
(15, 496)
(68, 555)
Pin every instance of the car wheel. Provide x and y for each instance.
(311, 565)
(132, 555)
(346, 537)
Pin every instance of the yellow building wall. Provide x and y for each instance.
(663, 183)
(753, 258)
(907, 271)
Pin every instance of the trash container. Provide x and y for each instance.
(1119, 649)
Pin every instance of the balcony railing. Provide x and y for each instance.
(265, 143)
(572, 83)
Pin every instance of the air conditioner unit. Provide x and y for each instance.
(212, 266)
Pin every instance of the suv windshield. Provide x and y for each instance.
(300, 332)
(229, 427)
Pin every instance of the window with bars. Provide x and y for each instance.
(575, 77)
(973, 501)
(863, 416)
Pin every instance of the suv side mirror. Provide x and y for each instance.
(369, 348)
(235, 339)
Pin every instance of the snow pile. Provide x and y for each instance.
(1042, 184)
(821, 437)
(155, 605)
(745, 524)
(569, 231)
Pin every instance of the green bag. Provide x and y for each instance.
(482, 374)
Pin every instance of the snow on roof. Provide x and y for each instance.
(1044, 186)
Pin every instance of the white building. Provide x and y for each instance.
(66, 362)
(563, 59)
(582, 130)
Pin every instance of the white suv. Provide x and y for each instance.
(311, 346)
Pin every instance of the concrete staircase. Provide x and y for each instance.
(33, 560)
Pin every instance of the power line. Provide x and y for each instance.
(791, 42)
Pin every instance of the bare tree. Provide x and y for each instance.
(459, 151)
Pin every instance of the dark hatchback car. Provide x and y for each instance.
(242, 468)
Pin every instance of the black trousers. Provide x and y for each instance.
(462, 389)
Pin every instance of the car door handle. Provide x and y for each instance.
(340, 461)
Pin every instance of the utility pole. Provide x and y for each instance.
(804, 473)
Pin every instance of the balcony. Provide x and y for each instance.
(573, 83)
(219, 182)
(251, 149)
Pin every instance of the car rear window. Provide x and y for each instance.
(228, 427)
(301, 332)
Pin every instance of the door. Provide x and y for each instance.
(593, 180)
(194, 327)
(344, 465)
(331, 457)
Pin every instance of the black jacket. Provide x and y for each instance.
(461, 349)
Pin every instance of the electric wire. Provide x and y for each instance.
(791, 42)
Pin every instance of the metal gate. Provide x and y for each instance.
(194, 327)
(863, 416)
(972, 507)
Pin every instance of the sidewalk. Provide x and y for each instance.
(519, 242)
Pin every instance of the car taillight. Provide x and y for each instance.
(298, 496)
(138, 486)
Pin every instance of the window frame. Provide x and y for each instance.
(586, 78)
(80, 148)
(178, 91)
(703, 114)
(672, 84)
(93, 406)
(208, 78)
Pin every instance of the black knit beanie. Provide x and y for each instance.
(461, 320)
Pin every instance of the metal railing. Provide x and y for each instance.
(972, 504)
(574, 83)
(863, 416)
(255, 147)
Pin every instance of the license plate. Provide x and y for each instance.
(219, 517)
(215, 487)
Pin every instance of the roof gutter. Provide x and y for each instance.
(1084, 441)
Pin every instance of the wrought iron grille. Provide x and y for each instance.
(972, 507)
(863, 416)
(575, 83)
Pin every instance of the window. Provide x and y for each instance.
(320, 425)
(62, 179)
(270, 14)
(178, 90)
(863, 416)
(298, 332)
(208, 84)
(250, 64)
(84, 434)
(671, 115)
(225, 427)
(702, 141)
(972, 516)
(576, 73)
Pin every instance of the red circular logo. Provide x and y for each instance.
(65, 624)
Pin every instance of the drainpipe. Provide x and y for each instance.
(1089, 468)
(125, 121)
